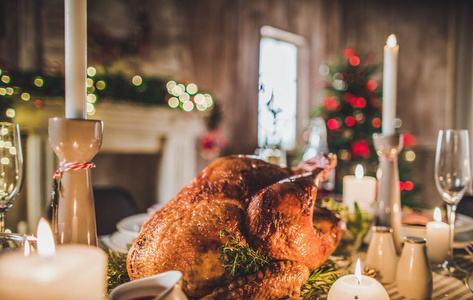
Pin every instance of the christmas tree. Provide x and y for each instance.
(352, 109)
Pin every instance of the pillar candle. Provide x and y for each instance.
(437, 239)
(73, 272)
(359, 188)
(391, 51)
(76, 58)
(357, 286)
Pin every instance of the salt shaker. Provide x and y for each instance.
(381, 254)
(414, 275)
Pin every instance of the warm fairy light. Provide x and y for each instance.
(38, 81)
(192, 88)
(90, 109)
(25, 96)
(183, 87)
(177, 91)
(7, 145)
(10, 113)
(358, 272)
(201, 107)
(12, 151)
(39, 103)
(91, 71)
(173, 102)
(354, 61)
(188, 106)
(199, 99)
(409, 155)
(90, 82)
(391, 42)
(45, 241)
(4, 131)
(91, 89)
(3, 91)
(350, 121)
(5, 161)
(170, 85)
(207, 101)
(376, 122)
(437, 215)
(91, 98)
(359, 171)
(137, 80)
(10, 91)
(6, 79)
(100, 85)
(184, 97)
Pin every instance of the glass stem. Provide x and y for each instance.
(3, 215)
(451, 215)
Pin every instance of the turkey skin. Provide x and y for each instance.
(268, 207)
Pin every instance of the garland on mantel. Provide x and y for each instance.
(36, 88)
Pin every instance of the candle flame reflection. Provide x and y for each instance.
(391, 42)
(45, 239)
(26, 249)
(437, 215)
(358, 272)
(359, 171)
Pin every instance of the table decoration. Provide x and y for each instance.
(389, 197)
(357, 286)
(359, 188)
(437, 239)
(452, 178)
(391, 51)
(68, 272)
(414, 275)
(75, 140)
(381, 254)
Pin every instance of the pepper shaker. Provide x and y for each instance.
(381, 254)
(414, 275)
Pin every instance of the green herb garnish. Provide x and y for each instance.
(240, 259)
(320, 280)
(116, 272)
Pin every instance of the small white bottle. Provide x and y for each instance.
(414, 275)
(381, 254)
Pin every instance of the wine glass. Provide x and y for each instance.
(11, 167)
(452, 178)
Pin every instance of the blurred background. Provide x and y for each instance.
(179, 83)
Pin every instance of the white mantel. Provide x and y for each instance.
(128, 129)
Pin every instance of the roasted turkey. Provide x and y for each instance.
(268, 207)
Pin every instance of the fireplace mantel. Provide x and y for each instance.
(128, 129)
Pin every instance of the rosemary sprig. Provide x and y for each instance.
(320, 280)
(116, 272)
(240, 259)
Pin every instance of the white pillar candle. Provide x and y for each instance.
(437, 239)
(391, 51)
(73, 272)
(359, 188)
(357, 286)
(76, 58)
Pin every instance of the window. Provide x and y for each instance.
(278, 95)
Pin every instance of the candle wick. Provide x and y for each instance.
(358, 280)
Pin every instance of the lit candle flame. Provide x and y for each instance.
(26, 249)
(437, 215)
(391, 42)
(45, 239)
(359, 171)
(358, 272)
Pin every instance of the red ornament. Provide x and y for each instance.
(402, 185)
(349, 97)
(371, 85)
(360, 148)
(408, 185)
(408, 140)
(376, 122)
(331, 103)
(350, 121)
(348, 52)
(354, 61)
(332, 124)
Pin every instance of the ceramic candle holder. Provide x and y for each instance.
(389, 197)
(76, 141)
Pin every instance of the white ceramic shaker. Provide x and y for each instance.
(414, 275)
(381, 254)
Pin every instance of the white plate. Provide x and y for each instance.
(120, 242)
(131, 225)
(158, 286)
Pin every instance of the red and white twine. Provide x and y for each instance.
(70, 166)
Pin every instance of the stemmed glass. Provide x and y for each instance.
(11, 167)
(452, 178)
